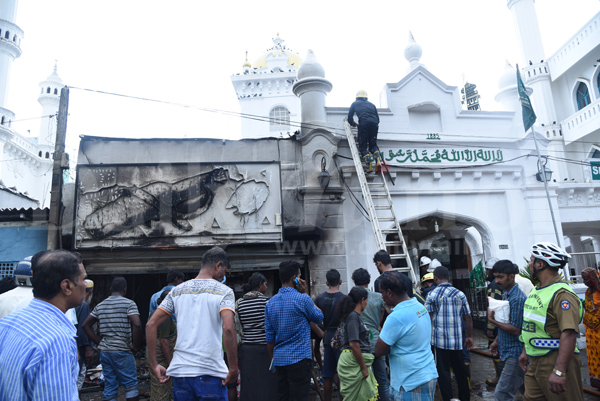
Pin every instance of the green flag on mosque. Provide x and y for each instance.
(477, 276)
(528, 113)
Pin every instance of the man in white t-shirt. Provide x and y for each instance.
(205, 310)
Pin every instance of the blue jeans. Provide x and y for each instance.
(380, 372)
(118, 367)
(199, 388)
(510, 380)
(425, 392)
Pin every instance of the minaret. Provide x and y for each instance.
(10, 49)
(536, 74)
(49, 98)
(534, 68)
(264, 90)
(312, 89)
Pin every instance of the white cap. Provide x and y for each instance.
(491, 262)
(425, 261)
(434, 263)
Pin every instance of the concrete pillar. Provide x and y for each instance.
(577, 260)
(596, 243)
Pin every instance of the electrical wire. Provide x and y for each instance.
(298, 124)
(365, 214)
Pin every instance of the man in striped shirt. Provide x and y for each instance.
(38, 351)
(116, 316)
(447, 307)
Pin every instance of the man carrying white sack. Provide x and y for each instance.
(507, 343)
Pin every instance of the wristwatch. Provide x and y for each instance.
(558, 373)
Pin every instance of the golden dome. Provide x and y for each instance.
(246, 63)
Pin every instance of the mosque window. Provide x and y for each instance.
(279, 117)
(55, 91)
(42, 92)
(40, 154)
(7, 35)
(14, 38)
(583, 96)
(598, 82)
(2, 121)
(48, 90)
(47, 155)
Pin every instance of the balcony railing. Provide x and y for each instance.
(582, 123)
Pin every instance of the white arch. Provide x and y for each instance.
(487, 237)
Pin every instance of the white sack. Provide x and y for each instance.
(501, 310)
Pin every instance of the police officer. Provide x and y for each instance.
(551, 319)
(367, 130)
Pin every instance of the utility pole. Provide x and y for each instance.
(60, 160)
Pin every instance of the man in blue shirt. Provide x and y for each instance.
(174, 278)
(287, 327)
(38, 351)
(406, 337)
(507, 342)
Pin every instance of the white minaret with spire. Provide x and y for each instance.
(10, 49)
(536, 74)
(264, 90)
(49, 98)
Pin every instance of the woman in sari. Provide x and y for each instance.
(591, 320)
(356, 380)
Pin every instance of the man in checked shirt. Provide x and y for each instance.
(447, 307)
(287, 326)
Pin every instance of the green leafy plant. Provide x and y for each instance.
(524, 272)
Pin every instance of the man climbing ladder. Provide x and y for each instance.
(368, 127)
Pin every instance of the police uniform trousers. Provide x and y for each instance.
(536, 379)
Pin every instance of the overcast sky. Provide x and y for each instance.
(186, 51)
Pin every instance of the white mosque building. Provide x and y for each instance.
(25, 161)
(466, 184)
(491, 199)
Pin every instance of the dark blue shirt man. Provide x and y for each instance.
(507, 342)
(287, 327)
(367, 129)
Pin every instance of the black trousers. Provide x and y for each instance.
(367, 137)
(446, 358)
(293, 381)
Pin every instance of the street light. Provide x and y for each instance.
(324, 177)
(542, 169)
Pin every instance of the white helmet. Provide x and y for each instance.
(550, 253)
(489, 264)
(425, 261)
(434, 263)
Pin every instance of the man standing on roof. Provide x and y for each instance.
(551, 319)
(367, 130)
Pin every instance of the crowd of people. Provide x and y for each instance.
(393, 343)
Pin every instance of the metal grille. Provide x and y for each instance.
(477, 297)
(7, 268)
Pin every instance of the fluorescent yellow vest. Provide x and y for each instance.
(537, 341)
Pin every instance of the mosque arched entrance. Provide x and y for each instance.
(457, 242)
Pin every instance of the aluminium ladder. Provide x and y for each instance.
(379, 190)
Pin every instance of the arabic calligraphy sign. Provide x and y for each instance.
(444, 155)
